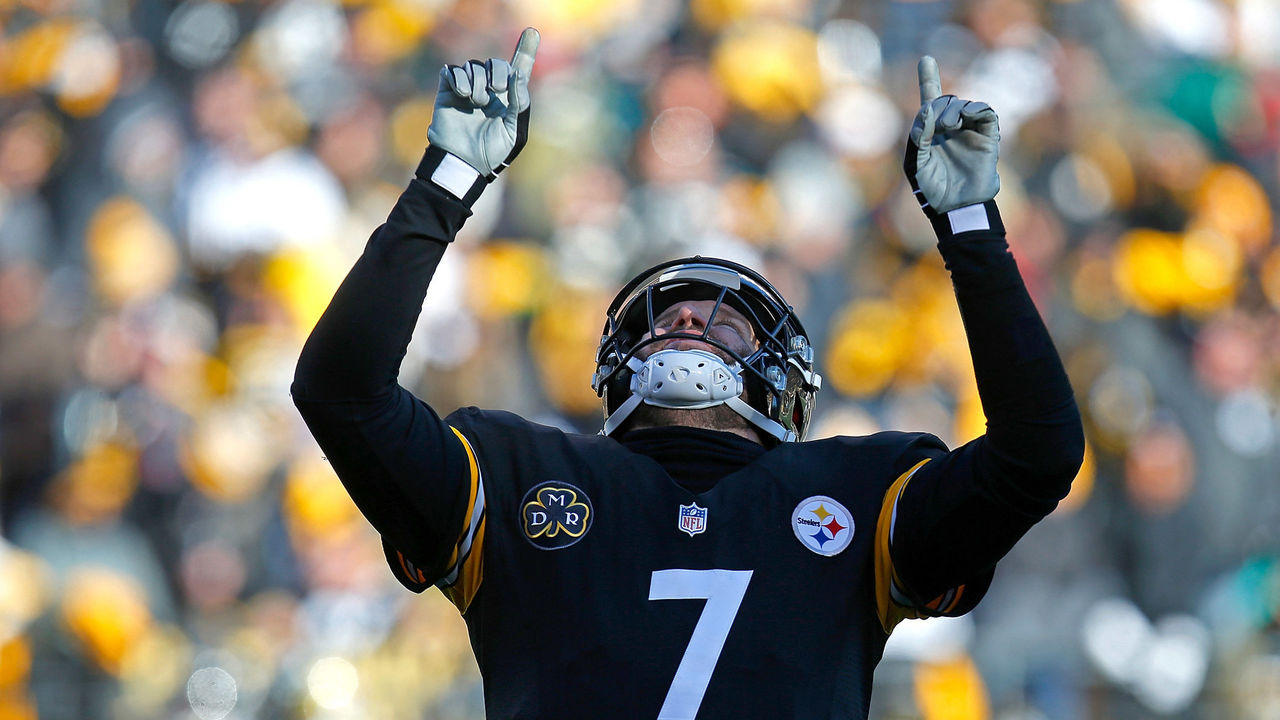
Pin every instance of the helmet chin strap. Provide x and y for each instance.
(689, 380)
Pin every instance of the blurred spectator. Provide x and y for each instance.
(182, 186)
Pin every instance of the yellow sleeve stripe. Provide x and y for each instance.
(466, 562)
(889, 609)
(462, 593)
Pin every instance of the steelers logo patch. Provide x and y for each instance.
(822, 525)
(555, 515)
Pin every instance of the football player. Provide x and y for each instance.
(697, 557)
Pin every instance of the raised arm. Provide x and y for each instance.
(406, 470)
(959, 513)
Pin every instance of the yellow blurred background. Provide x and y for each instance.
(183, 185)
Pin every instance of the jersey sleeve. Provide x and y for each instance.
(952, 518)
(503, 454)
(462, 572)
(412, 476)
(895, 601)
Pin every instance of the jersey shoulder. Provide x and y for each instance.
(890, 441)
(501, 428)
(863, 466)
(522, 452)
(893, 451)
(474, 416)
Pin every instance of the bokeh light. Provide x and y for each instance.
(682, 135)
(951, 689)
(201, 32)
(130, 254)
(332, 682)
(770, 68)
(212, 693)
(107, 614)
(1160, 468)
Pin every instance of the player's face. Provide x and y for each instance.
(729, 327)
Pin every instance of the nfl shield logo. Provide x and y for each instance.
(693, 519)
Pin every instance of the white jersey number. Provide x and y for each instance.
(723, 590)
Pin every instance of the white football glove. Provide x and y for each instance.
(481, 117)
(952, 148)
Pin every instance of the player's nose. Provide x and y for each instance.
(686, 318)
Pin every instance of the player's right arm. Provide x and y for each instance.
(412, 475)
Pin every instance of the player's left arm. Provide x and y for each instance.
(951, 518)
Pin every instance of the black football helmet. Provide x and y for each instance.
(778, 375)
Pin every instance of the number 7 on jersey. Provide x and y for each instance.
(723, 590)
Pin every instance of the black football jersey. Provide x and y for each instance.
(593, 585)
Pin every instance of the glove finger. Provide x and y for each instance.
(456, 78)
(526, 51)
(949, 118)
(928, 124)
(479, 83)
(499, 73)
(980, 117)
(930, 84)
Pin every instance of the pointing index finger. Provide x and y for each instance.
(930, 85)
(526, 51)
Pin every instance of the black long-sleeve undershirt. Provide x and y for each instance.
(964, 511)
(393, 453)
(958, 515)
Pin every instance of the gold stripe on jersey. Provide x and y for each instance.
(466, 563)
(892, 604)
(888, 608)
(464, 591)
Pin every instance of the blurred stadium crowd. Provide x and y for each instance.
(182, 186)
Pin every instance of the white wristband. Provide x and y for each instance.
(455, 175)
(968, 219)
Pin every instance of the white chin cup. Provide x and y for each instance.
(690, 379)
(687, 379)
